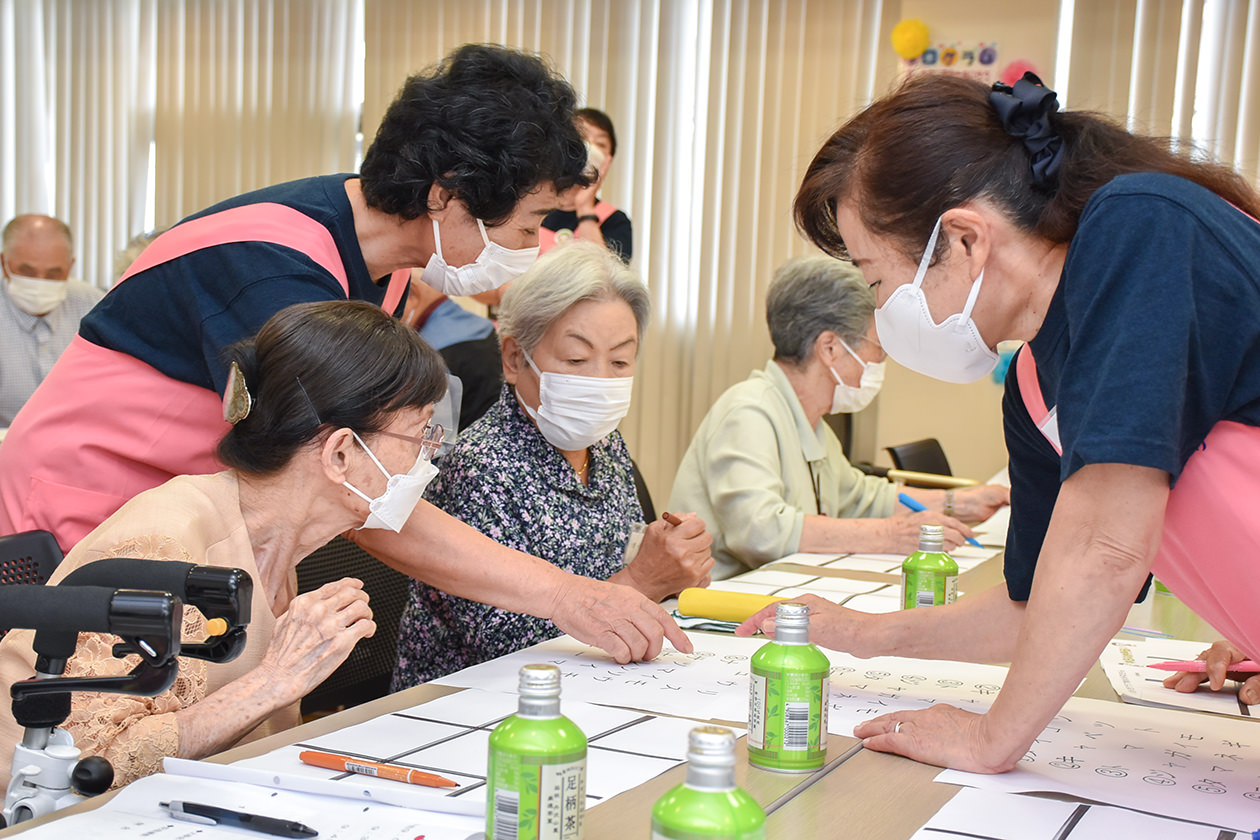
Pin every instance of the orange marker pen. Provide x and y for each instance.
(332, 761)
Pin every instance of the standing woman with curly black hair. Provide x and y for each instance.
(468, 160)
(1133, 272)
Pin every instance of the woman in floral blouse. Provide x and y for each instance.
(544, 470)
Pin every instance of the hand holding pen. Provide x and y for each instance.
(1218, 663)
(674, 555)
(918, 507)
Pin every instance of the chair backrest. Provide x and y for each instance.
(366, 673)
(27, 557)
(920, 456)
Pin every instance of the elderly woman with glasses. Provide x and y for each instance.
(765, 471)
(328, 402)
(545, 470)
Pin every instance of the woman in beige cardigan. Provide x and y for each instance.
(328, 402)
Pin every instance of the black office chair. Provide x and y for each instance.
(27, 557)
(366, 673)
(925, 456)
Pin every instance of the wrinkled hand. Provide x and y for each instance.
(1218, 657)
(976, 504)
(315, 635)
(942, 735)
(672, 558)
(902, 532)
(615, 618)
(830, 625)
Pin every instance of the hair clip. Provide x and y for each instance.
(236, 399)
(1025, 110)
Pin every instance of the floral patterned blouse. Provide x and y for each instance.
(505, 480)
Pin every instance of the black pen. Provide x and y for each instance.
(211, 815)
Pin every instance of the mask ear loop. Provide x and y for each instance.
(928, 253)
(485, 237)
(964, 317)
(437, 240)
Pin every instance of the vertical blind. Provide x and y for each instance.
(225, 95)
(1188, 70)
(719, 106)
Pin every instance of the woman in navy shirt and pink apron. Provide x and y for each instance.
(1133, 273)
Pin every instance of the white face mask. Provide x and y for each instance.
(952, 350)
(848, 399)
(391, 509)
(35, 296)
(495, 266)
(577, 411)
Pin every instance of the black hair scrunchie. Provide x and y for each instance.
(1025, 111)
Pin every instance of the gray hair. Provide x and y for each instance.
(134, 247)
(810, 295)
(570, 273)
(20, 224)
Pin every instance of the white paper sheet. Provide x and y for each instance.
(134, 813)
(1125, 662)
(985, 815)
(712, 682)
(1177, 764)
(809, 559)
(992, 531)
(449, 736)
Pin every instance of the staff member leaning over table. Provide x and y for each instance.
(545, 470)
(330, 405)
(1134, 275)
(765, 471)
(468, 160)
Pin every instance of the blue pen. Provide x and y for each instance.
(918, 507)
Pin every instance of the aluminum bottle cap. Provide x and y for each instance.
(540, 681)
(932, 538)
(791, 623)
(711, 746)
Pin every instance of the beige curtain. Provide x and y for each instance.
(77, 111)
(1188, 70)
(719, 107)
(252, 93)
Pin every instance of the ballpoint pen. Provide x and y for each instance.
(918, 507)
(212, 815)
(1198, 666)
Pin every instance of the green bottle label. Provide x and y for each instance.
(685, 813)
(532, 794)
(928, 579)
(789, 690)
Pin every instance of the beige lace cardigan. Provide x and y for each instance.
(195, 519)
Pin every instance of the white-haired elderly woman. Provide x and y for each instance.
(545, 470)
(769, 476)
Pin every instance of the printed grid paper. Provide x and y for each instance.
(1162, 761)
(450, 736)
(134, 814)
(1126, 661)
(984, 815)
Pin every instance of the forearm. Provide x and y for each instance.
(448, 555)
(1098, 550)
(222, 718)
(979, 628)
(820, 534)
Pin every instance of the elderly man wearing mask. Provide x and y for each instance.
(41, 305)
(545, 470)
(765, 471)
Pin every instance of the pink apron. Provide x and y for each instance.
(1211, 525)
(105, 426)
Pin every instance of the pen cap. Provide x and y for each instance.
(791, 623)
(539, 691)
(932, 538)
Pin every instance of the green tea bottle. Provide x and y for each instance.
(929, 577)
(708, 806)
(787, 698)
(536, 782)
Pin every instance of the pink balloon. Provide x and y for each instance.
(1016, 70)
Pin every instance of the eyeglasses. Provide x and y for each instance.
(430, 440)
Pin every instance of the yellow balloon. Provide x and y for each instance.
(910, 38)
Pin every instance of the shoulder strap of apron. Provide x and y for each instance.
(1046, 419)
(278, 224)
